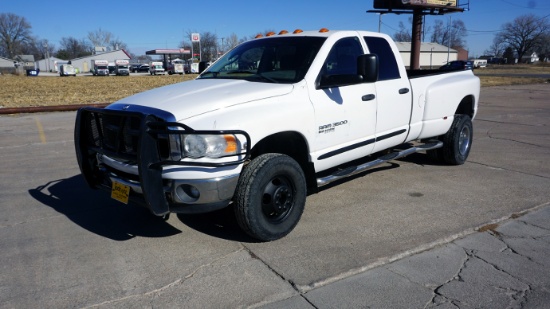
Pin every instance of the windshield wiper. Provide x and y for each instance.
(240, 72)
(266, 78)
(214, 74)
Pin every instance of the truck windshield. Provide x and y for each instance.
(274, 60)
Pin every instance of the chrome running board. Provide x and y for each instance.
(353, 170)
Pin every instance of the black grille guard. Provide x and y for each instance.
(135, 137)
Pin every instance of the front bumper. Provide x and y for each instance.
(183, 195)
(106, 139)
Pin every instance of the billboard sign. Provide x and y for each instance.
(410, 4)
(430, 2)
(195, 37)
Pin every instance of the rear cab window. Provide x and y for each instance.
(388, 65)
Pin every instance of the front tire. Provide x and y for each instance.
(270, 197)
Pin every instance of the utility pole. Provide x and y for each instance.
(419, 10)
(416, 43)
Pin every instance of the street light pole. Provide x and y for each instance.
(431, 53)
(47, 57)
(450, 39)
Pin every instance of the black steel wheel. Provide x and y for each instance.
(270, 196)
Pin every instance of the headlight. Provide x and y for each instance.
(212, 146)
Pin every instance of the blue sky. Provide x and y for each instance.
(146, 25)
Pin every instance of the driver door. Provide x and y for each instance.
(345, 115)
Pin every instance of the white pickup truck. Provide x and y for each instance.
(272, 121)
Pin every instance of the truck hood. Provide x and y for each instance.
(188, 99)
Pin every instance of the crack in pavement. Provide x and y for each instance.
(511, 123)
(507, 169)
(290, 282)
(170, 285)
(517, 291)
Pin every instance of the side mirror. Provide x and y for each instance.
(367, 66)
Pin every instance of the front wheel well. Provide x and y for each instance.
(292, 144)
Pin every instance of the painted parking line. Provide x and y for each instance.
(40, 130)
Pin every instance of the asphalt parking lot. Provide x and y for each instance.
(64, 245)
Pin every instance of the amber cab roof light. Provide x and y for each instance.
(271, 33)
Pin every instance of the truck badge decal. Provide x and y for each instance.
(331, 127)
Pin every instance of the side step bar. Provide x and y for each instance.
(352, 170)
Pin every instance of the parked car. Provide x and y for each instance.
(67, 70)
(134, 67)
(458, 65)
(111, 67)
(141, 68)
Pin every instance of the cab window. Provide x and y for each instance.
(386, 58)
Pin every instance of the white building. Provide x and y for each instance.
(83, 64)
(49, 65)
(6, 63)
(530, 58)
(431, 54)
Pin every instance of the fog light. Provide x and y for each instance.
(188, 193)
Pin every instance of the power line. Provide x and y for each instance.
(530, 5)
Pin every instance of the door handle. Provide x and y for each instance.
(403, 90)
(368, 97)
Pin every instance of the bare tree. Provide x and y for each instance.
(525, 33)
(44, 48)
(453, 35)
(209, 46)
(404, 33)
(544, 48)
(497, 48)
(15, 32)
(40, 49)
(100, 37)
(230, 42)
(117, 44)
(73, 48)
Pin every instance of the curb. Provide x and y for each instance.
(46, 109)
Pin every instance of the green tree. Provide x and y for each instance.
(509, 55)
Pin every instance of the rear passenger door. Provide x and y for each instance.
(394, 95)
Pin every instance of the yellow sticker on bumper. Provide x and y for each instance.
(120, 192)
